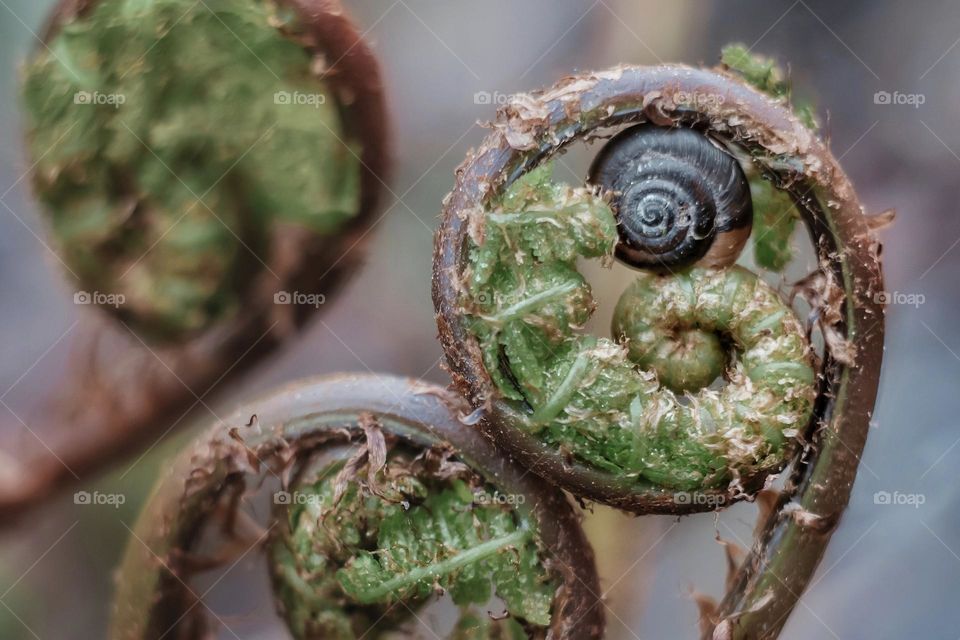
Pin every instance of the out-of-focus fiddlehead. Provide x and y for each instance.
(386, 499)
(208, 172)
(601, 418)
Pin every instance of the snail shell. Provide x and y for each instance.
(679, 198)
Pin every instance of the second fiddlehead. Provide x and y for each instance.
(390, 500)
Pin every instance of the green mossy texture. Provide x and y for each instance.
(348, 564)
(166, 153)
(585, 395)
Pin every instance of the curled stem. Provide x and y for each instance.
(531, 129)
(291, 427)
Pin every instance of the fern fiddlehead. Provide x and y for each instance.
(203, 168)
(129, 175)
(390, 500)
(596, 423)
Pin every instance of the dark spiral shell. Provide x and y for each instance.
(679, 198)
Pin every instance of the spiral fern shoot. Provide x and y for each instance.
(682, 149)
(207, 172)
(172, 139)
(387, 503)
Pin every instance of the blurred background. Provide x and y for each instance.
(892, 570)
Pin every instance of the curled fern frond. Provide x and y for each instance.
(671, 188)
(390, 502)
(206, 171)
(166, 169)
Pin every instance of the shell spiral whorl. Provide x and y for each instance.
(679, 198)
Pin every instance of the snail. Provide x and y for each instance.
(202, 171)
(591, 414)
(385, 498)
(680, 199)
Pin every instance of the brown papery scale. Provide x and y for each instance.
(534, 127)
(126, 391)
(287, 433)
